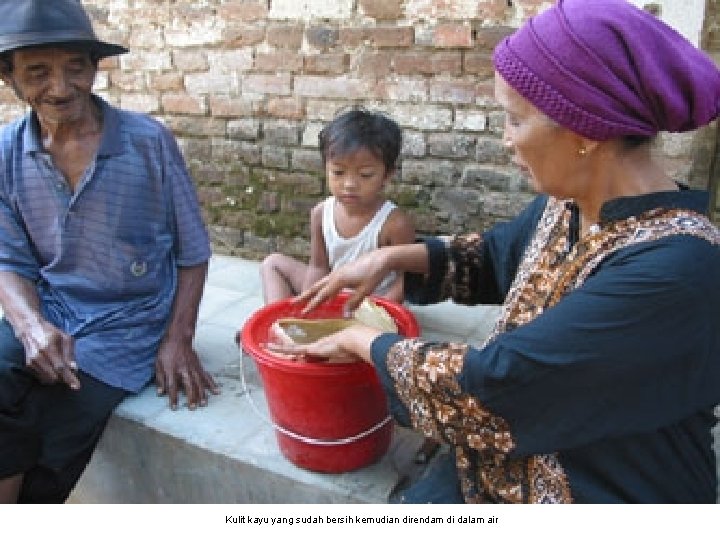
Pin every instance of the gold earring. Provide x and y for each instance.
(582, 151)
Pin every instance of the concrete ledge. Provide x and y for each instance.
(223, 453)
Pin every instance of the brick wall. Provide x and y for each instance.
(246, 86)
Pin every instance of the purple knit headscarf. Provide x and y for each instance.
(606, 69)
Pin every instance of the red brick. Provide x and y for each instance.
(332, 64)
(196, 127)
(183, 104)
(128, 81)
(453, 35)
(711, 39)
(275, 157)
(495, 10)
(143, 102)
(301, 182)
(428, 63)
(381, 36)
(164, 82)
(382, 9)
(486, 37)
(291, 108)
(229, 60)
(245, 129)
(450, 145)
(530, 8)
(147, 61)
(230, 107)
(267, 84)
(296, 204)
(485, 92)
(322, 109)
(453, 91)
(337, 87)
(403, 89)
(394, 36)
(278, 61)
(322, 37)
(307, 160)
(485, 10)
(148, 13)
(478, 63)
(374, 64)
(236, 152)
(242, 10)
(210, 195)
(190, 61)
(351, 36)
(269, 202)
(422, 116)
(285, 36)
(243, 35)
(144, 37)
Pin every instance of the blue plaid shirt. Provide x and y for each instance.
(105, 257)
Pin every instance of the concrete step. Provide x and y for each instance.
(223, 453)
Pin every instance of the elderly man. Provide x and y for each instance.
(103, 255)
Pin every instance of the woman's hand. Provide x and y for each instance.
(348, 345)
(362, 275)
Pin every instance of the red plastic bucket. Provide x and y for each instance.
(329, 417)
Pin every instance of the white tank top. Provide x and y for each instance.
(343, 250)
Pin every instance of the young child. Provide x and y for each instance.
(359, 151)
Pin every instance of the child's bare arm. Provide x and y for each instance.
(398, 229)
(396, 291)
(318, 265)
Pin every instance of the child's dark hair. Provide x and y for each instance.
(359, 128)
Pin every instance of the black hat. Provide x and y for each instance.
(29, 23)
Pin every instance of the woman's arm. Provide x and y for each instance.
(635, 348)
(475, 268)
(365, 274)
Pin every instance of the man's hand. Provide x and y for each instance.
(178, 367)
(49, 352)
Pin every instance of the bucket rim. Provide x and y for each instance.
(248, 343)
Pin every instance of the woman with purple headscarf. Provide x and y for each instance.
(599, 380)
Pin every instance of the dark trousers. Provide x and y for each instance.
(47, 432)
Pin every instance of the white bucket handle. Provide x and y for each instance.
(297, 436)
